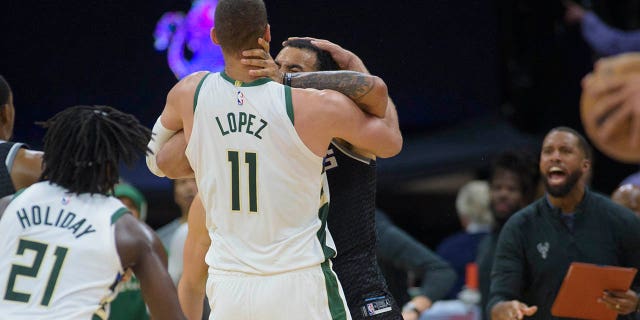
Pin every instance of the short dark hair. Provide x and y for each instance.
(84, 145)
(239, 24)
(324, 61)
(5, 91)
(582, 141)
(521, 163)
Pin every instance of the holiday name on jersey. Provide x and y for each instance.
(241, 122)
(63, 219)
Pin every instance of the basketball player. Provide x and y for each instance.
(351, 173)
(352, 182)
(257, 150)
(19, 166)
(66, 242)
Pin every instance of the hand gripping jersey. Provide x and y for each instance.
(260, 185)
(352, 183)
(58, 258)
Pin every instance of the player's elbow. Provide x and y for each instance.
(380, 95)
(174, 167)
(391, 147)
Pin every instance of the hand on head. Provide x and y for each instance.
(262, 60)
(345, 59)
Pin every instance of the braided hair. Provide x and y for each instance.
(84, 145)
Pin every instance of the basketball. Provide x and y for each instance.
(594, 116)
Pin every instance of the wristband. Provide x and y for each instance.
(160, 136)
(410, 306)
(286, 79)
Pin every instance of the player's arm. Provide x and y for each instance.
(141, 250)
(343, 119)
(172, 160)
(27, 168)
(191, 288)
(367, 91)
(176, 115)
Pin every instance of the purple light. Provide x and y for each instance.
(187, 41)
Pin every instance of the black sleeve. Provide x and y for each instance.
(507, 275)
(408, 254)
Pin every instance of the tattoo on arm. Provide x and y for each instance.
(352, 84)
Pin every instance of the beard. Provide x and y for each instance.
(563, 189)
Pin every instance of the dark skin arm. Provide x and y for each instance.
(141, 250)
(27, 168)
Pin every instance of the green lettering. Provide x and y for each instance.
(264, 124)
(250, 123)
(231, 118)
(224, 133)
(242, 120)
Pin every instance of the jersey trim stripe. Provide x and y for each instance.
(239, 83)
(336, 303)
(351, 154)
(118, 214)
(195, 96)
(289, 103)
(15, 195)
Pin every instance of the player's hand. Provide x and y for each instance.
(622, 302)
(618, 101)
(574, 12)
(509, 310)
(410, 315)
(345, 59)
(261, 59)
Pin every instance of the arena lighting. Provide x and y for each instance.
(186, 39)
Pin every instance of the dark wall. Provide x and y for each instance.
(444, 61)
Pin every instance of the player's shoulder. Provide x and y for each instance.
(320, 101)
(188, 84)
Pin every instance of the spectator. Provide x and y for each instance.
(459, 249)
(399, 255)
(513, 178)
(184, 190)
(628, 195)
(603, 39)
(569, 224)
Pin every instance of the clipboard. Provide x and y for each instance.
(583, 284)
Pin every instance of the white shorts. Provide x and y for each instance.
(313, 293)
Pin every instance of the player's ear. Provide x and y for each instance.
(214, 38)
(267, 33)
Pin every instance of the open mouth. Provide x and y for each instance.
(556, 175)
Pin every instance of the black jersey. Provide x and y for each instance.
(8, 151)
(351, 221)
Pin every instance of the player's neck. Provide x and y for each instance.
(237, 71)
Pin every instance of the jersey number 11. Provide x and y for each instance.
(251, 159)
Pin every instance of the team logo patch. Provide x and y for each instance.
(66, 199)
(543, 248)
(240, 98)
(377, 305)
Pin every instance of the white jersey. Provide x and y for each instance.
(58, 258)
(260, 185)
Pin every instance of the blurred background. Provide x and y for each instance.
(470, 79)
